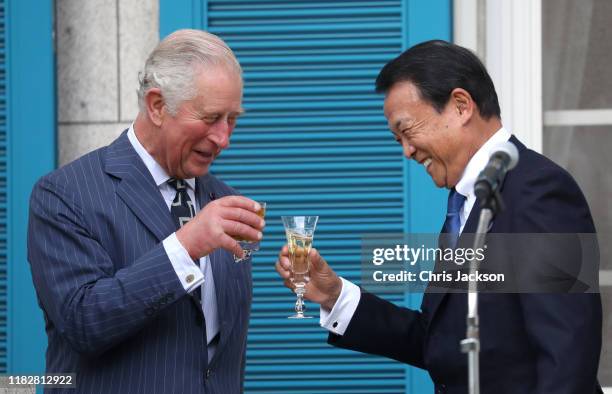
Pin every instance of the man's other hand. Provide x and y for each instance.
(324, 286)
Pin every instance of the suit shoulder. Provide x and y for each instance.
(536, 168)
(545, 197)
(75, 173)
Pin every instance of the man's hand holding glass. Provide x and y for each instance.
(324, 286)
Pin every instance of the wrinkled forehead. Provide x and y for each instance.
(403, 93)
(217, 91)
(401, 104)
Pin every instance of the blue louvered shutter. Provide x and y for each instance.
(3, 189)
(27, 151)
(313, 141)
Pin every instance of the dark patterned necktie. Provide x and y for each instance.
(182, 208)
(452, 224)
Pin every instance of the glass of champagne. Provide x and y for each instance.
(249, 247)
(300, 233)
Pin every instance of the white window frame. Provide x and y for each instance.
(511, 48)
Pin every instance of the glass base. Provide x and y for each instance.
(247, 255)
(298, 316)
(248, 248)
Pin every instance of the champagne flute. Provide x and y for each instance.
(249, 247)
(300, 233)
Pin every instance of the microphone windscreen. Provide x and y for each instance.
(509, 149)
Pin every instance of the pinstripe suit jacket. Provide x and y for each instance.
(115, 311)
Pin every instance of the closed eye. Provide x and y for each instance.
(399, 135)
(213, 118)
(407, 133)
(210, 119)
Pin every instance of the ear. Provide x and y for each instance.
(155, 106)
(463, 104)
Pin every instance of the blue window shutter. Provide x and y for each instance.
(27, 151)
(3, 191)
(314, 141)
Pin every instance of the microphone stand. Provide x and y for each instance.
(491, 204)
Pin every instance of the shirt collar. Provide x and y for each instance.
(160, 176)
(479, 161)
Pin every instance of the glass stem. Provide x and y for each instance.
(299, 303)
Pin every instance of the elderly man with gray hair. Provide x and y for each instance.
(131, 246)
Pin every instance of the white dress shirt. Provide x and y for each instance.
(338, 319)
(192, 277)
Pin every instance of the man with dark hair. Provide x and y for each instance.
(441, 106)
(456, 67)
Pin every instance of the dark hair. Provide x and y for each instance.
(436, 68)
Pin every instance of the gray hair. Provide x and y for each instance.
(173, 64)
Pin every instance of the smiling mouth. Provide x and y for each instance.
(426, 162)
(205, 155)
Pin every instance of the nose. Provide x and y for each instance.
(220, 134)
(408, 149)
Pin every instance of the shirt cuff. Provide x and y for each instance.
(338, 319)
(188, 272)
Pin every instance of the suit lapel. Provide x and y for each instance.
(471, 225)
(137, 188)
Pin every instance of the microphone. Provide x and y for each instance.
(505, 156)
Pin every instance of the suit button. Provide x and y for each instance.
(189, 278)
(208, 372)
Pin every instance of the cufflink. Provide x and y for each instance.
(335, 324)
(189, 278)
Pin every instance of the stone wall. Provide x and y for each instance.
(101, 46)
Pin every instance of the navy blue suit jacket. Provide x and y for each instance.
(115, 310)
(530, 343)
